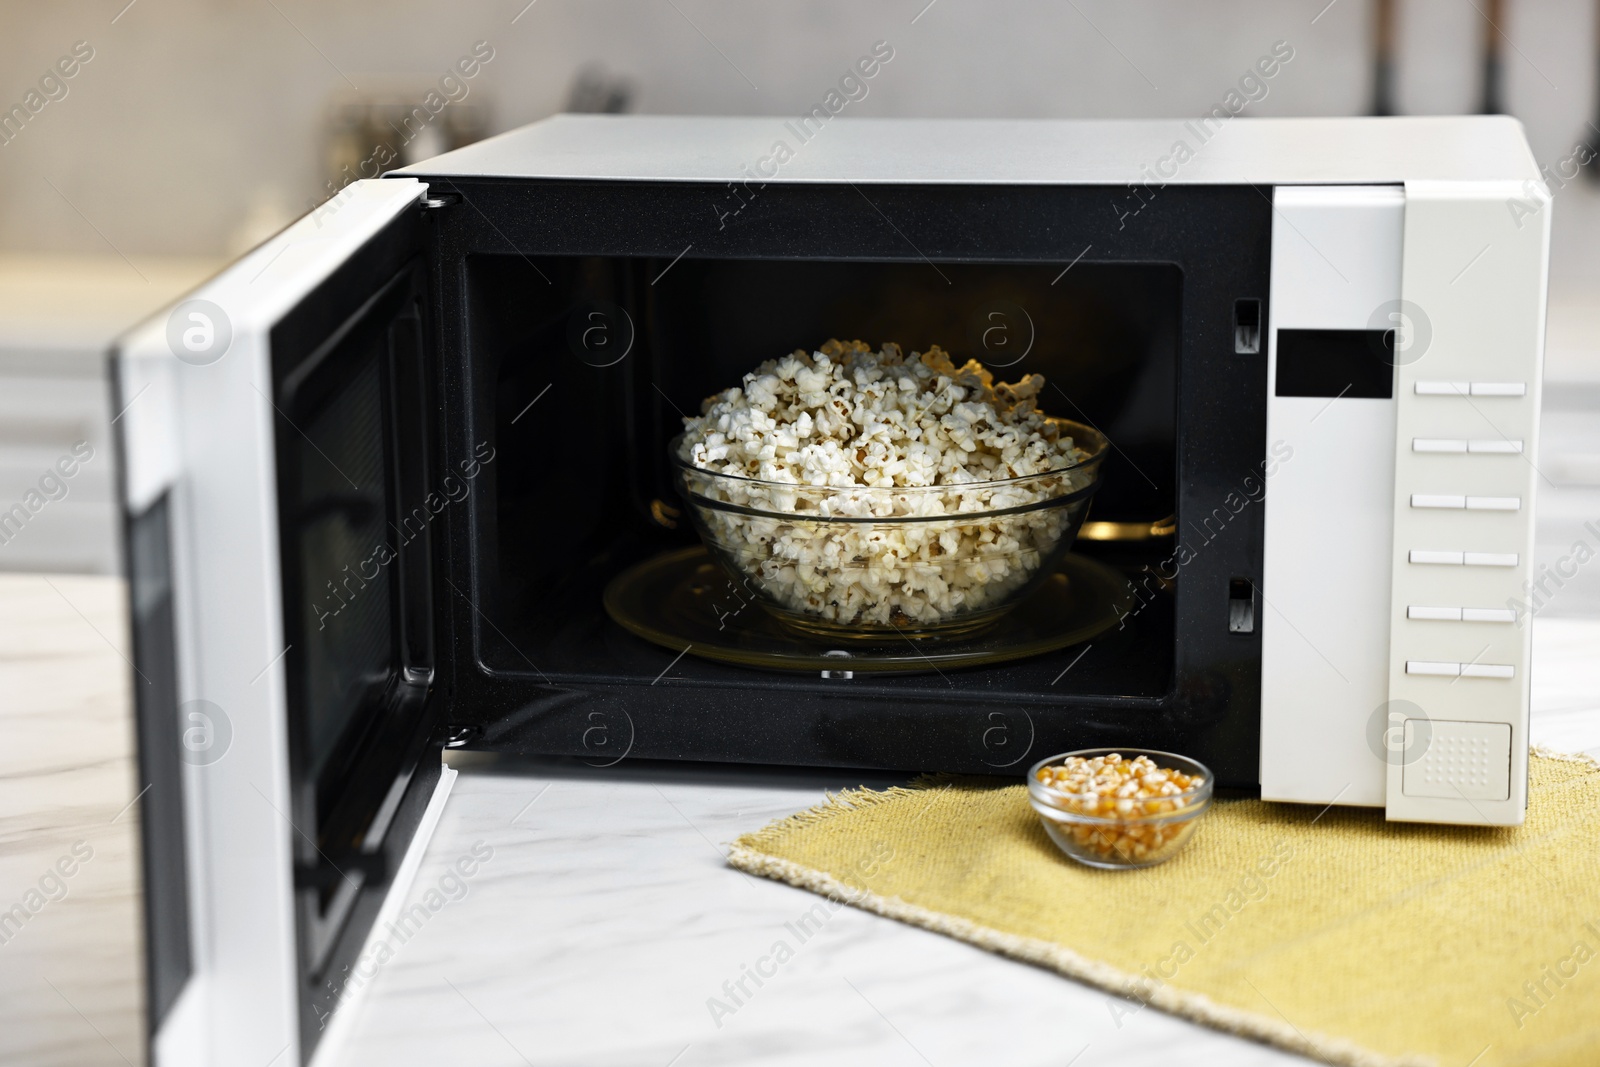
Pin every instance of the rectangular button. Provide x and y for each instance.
(1486, 670)
(1437, 500)
(1434, 614)
(1494, 503)
(1494, 444)
(1442, 388)
(1488, 615)
(1426, 666)
(1490, 559)
(1499, 389)
(1438, 444)
(1428, 555)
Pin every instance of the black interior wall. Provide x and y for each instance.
(575, 478)
(1175, 678)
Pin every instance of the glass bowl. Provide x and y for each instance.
(868, 563)
(1121, 840)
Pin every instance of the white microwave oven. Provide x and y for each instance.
(387, 479)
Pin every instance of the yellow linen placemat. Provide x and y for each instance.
(1332, 933)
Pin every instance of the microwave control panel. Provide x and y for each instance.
(1404, 360)
(1467, 422)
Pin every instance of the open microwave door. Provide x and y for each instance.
(276, 449)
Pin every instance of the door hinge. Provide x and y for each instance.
(459, 736)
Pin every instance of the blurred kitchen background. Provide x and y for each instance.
(144, 143)
(196, 128)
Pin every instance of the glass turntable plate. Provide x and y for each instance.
(684, 602)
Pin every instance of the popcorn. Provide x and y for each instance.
(849, 433)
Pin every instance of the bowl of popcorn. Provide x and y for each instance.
(1119, 808)
(866, 495)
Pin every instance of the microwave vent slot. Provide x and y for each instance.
(1247, 327)
(1241, 606)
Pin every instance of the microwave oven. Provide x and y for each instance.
(383, 475)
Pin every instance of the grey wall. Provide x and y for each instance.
(196, 128)
(196, 123)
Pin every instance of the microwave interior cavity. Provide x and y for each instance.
(572, 348)
(606, 348)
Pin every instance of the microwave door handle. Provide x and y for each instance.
(370, 860)
(366, 868)
(370, 857)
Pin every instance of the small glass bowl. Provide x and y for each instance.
(880, 564)
(1122, 841)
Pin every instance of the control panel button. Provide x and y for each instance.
(1490, 559)
(1488, 615)
(1443, 669)
(1426, 666)
(1437, 500)
(1458, 760)
(1438, 388)
(1429, 555)
(1438, 444)
(1487, 670)
(1494, 503)
(1442, 614)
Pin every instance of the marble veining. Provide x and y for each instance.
(597, 930)
(70, 976)
(606, 947)
(606, 921)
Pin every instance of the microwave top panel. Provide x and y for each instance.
(1216, 151)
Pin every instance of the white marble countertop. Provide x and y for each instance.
(70, 975)
(595, 930)
(605, 919)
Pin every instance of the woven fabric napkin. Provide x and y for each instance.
(1333, 933)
